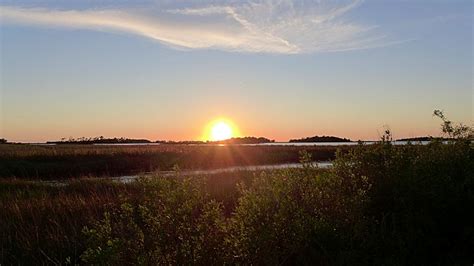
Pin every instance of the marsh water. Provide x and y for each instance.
(129, 178)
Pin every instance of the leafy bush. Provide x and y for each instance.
(172, 221)
(295, 216)
(420, 201)
(380, 204)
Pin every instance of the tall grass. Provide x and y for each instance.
(41, 223)
(73, 161)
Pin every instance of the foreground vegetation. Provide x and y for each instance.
(73, 161)
(380, 204)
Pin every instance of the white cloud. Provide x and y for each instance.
(285, 27)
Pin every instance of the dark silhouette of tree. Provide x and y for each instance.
(321, 139)
(454, 131)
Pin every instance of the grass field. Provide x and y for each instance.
(73, 161)
(379, 205)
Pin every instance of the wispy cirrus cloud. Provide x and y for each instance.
(283, 27)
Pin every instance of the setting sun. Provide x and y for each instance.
(221, 131)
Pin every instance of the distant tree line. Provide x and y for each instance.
(321, 139)
(426, 138)
(245, 140)
(3, 141)
(103, 140)
(180, 142)
(98, 140)
(240, 140)
(416, 139)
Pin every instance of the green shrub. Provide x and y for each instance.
(421, 201)
(172, 221)
(380, 204)
(296, 215)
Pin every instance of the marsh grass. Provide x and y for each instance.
(73, 161)
(43, 223)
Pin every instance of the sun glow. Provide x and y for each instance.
(220, 130)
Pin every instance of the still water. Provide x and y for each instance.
(130, 178)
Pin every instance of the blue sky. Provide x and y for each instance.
(281, 69)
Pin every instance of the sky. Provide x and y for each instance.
(163, 70)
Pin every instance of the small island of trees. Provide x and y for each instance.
(321, 139)
(244, 140)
